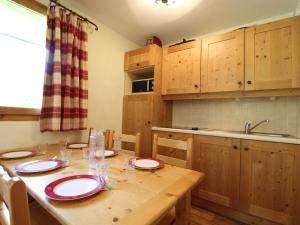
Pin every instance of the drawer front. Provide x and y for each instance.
(139, 58)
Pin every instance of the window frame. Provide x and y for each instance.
(18, 113)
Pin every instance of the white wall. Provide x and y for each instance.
(106, 51)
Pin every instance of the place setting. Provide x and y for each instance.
(141, 163)
(24, 153)
(107, 153)
(18, 154)
(77, 187)
(77, 145)
(44, 165)
(74, 187)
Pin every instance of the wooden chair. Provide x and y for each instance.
(135, 139)
(172, 143)
(15, 209)
(187, 146)
(106, 136)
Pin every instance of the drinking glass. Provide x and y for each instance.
(85, 153)
(65, 153)
(42, 149)
(129, 164)
(102, 169)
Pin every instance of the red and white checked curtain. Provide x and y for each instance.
(65, 86)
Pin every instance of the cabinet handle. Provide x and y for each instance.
(246, 149)
(149, 122)
(170, 135)
(235, 147)
(240, 83)
(137, 64)
(196, 85)
(249, 82)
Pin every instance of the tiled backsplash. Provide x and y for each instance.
(283, 113)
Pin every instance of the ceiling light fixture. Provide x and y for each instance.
(165, 2)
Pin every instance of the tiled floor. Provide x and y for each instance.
(202, 217)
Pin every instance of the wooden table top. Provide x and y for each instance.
(138, 197)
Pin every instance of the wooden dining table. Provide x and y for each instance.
(137, 197)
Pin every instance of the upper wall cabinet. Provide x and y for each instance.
(222, 62)
(273, 55)
(181, 68)
(140, 58)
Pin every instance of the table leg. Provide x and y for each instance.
(183, 210)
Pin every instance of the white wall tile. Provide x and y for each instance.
(283, 113)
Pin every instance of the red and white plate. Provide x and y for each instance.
(39, 166)
(147, 163)
(107, 153)
(77, 145)
(74, 187)
(17, 154)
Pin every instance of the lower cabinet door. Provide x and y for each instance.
(269, 174)
(219, 159)
(137, 117)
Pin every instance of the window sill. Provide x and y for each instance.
(19, 114)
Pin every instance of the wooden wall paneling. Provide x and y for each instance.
(162, 110)
(222, 62)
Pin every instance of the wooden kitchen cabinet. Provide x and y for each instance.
(142, 111)
(269, 186)
(141, 58)
(181, 68)
(219, 159)
(273, 55)
(222, 62)
(137, 116)
(172, 152)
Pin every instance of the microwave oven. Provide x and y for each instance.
(142, 85)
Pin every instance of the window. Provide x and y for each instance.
(22, 56)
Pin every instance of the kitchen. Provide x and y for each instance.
(233, 90)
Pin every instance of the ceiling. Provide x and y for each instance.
(140, 19)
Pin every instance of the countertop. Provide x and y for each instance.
(219, 133)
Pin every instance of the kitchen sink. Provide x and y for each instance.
(273, 134)
(256, 133)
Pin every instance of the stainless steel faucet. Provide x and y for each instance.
(248, 127)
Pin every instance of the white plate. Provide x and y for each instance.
(78, 145)
(42, 165)
(107, 153)
(146, 163)
(75, 187)
(39, 166)
(16, 154)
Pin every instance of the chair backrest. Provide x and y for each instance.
(13, 202)
(106, 136)
(172, 143)
(127, 138)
